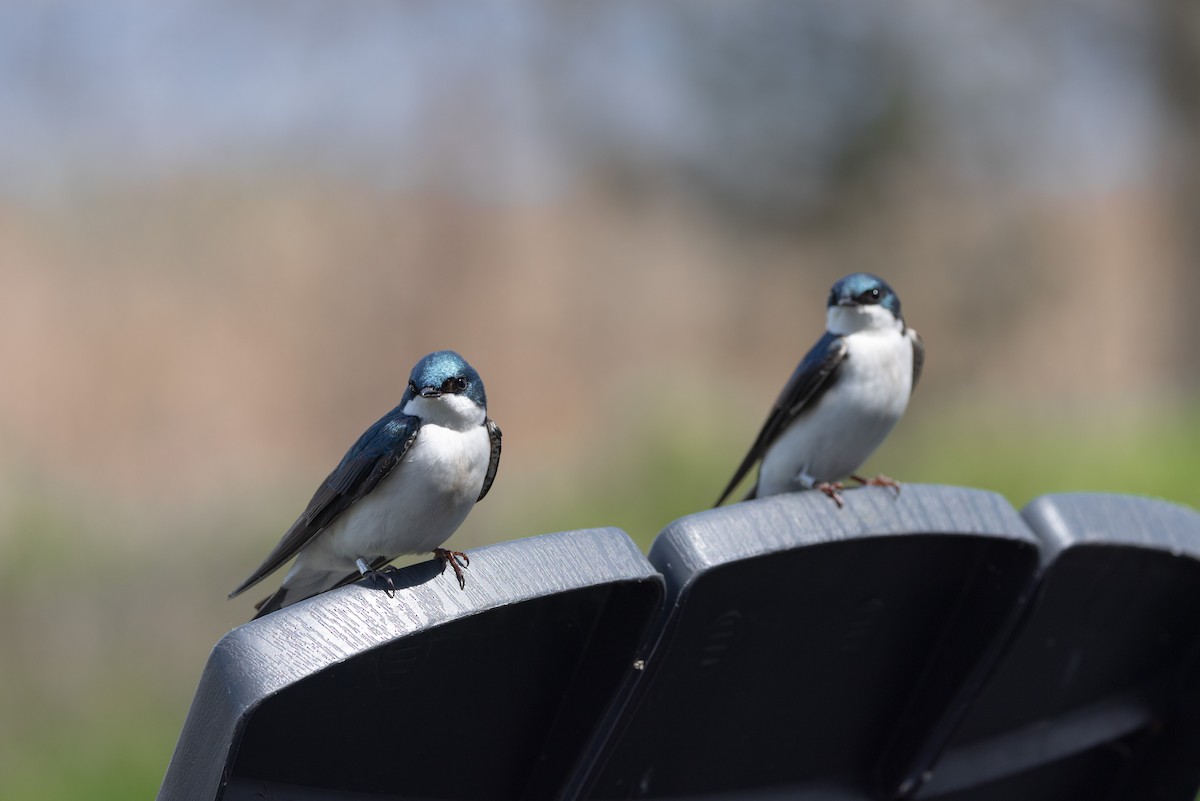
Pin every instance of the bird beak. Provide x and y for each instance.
(430, 392)
(847, 302)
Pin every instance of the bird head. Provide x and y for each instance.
(443, 387)
(862, 301)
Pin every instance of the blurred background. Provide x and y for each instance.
(228, 230)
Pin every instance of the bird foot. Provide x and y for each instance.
(879, 481)
(833, 490)
(457, 560)
(381, 576)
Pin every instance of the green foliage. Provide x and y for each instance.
(1155, 454)
(120, 757)
(684, 464)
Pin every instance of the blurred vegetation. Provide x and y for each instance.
(684, 462)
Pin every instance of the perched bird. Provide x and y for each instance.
(404, 487)
(843, 399)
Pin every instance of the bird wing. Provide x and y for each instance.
(369, 460)
(308, 585)
(918, 346)
(812, 376)
(494, 460)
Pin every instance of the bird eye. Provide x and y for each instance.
(456, 384)
(412, 385)
(870, 296)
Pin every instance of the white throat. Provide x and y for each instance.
(457, 412)
(843, 320)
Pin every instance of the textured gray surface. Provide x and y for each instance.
(782, 522)
(1095, 695)
(261, 658)
(803, 651)
(1067, 519)
(811, 649)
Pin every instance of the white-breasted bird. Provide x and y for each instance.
(843, 399)
(404, 487)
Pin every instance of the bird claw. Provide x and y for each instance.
(457, 560)
(833, 490)
(879, 481)
(381, 576)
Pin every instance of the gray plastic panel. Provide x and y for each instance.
(811, 651)
(435, 693)
(1097, 695)
(928, 645)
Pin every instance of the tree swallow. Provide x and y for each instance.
(404, 487)
(843, 399)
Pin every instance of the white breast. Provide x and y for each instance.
(850, 420)
(421, 502)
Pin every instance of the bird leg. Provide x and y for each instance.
(382, 575)
(457, 560)
(878, 481)
(832, 490)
